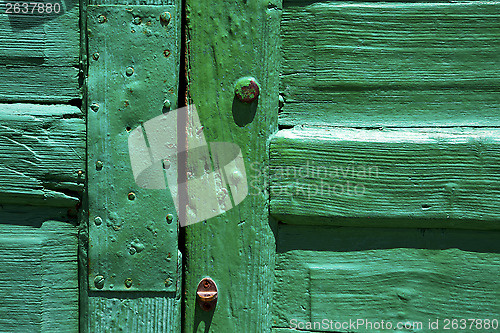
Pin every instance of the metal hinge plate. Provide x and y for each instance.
(133, 69)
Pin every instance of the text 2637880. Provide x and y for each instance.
(30, 8)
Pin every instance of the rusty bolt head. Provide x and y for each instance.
(165, 17)
(101, 19)
(137, 20)
(129, 71)
(207, 294)
(131, 196)
(98, 165)
(247, 89)
(128, 283)
(99, 281)
(170, 218)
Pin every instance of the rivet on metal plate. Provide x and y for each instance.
(207, 294)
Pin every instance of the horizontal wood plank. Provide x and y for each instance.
(139, 313)
(42, 150)
(38, 276)
(412, 178)
(391, 64)
(39, 54)
(394, 275)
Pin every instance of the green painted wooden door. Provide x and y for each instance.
(372, 164)
(370, 152)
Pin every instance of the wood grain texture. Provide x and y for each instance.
(228, 40)
(135, 314)
(38, 273)
(42, 149)
(390, 64)
(395, 275)
(414, 178)
(39, 54)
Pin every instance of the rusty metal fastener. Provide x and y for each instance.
(247, 89)
(207, 294)
(101, 19)
(165, 17)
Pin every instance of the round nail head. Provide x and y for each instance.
(99, 281)
(247, 90)
(165, 17)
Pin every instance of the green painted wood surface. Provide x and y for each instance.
(390, 63)
(228, 40)
(38, 270)
(413, 178)
(395, 275)
(137, 312)
(39, 55)
(42, 149)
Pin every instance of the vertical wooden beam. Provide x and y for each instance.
(228, 40)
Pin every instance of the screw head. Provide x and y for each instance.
(101, 18)
(98, 165)
(98, 220)
(94, 107)
(128, 283)
(247, 89)
(131, 196)
(137, 20)
(168, 282)
(129, 71)
(165, 17)
(95, 56)
(99, 281)
(170, 218)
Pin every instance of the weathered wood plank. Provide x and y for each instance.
(42, 149)
(135, 314)
(391, 64)
(426, 178)
(38, 274)
(236, 248)
(40, 55)
(395, 275)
